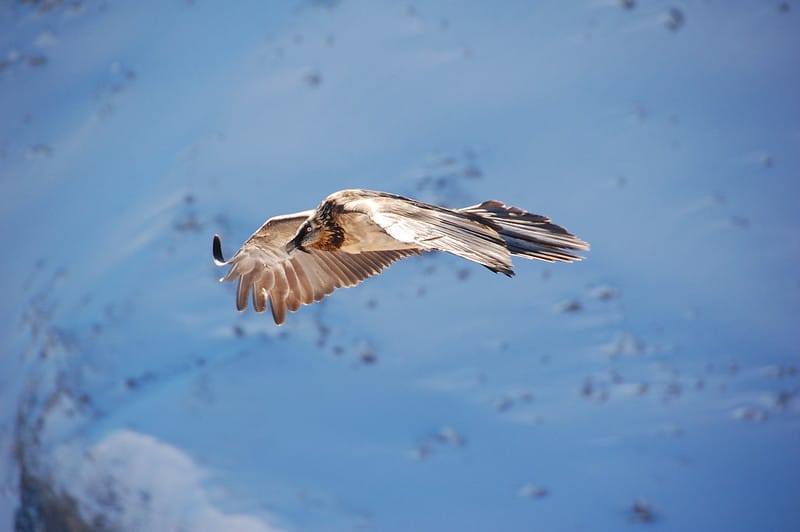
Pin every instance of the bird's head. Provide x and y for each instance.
(321, 231)
(308, 235)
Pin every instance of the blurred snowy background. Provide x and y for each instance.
(656, 384)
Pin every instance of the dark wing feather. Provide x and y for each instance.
(262, 267)
(529, 235)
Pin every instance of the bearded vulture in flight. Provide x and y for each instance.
(300, 258)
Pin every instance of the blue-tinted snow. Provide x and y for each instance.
(655, 384)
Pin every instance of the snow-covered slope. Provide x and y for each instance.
(656, 383)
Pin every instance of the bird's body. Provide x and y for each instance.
(300, 258)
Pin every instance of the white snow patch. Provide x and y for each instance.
(136, 482)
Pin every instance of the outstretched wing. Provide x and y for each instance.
(528, 235)
(264, 269)
(431, 227)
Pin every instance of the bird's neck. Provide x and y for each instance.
(332, 234)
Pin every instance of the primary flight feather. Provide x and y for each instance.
(297, 259)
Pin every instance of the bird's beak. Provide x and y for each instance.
(294, 244)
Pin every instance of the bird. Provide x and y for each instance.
(298, 259)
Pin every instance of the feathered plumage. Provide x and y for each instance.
(297, 259)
